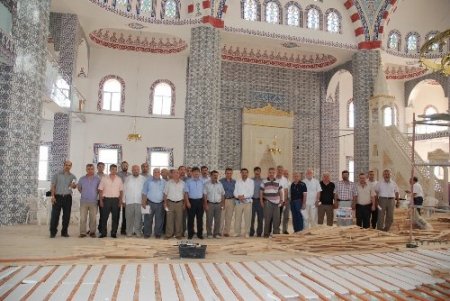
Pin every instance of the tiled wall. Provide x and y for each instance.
(253, 86)
(61, 142)
(20, 111)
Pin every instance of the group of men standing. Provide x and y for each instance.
(167, 203)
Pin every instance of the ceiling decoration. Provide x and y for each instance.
(137, 26)
(400, 72)
(144, 42)
(286, 60)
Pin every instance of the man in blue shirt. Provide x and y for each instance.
(152, 196)
(228, 184)
(193, 198)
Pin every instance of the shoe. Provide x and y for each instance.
(52, 235)
(200, 236)
(146, 236)
(209, 236)
(88, 232)
(113, 235)
(285, 232)
(65, 235)
(266, 235)
(157, 236)
(226, 235)
(258, 235)
(92, 235)
(190, 236)
(247, 236)
(123, 232)
(102, 236)
(179, 237)
(218, 236)
(128, 236)
(82, 235)
(237, 235)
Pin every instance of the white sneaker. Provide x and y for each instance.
(237, 235)
(218, 236)
(209, 236)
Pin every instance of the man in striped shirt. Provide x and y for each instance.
(271, 200)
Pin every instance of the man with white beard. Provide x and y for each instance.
(312, 196)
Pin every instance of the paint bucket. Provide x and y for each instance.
(344, 216)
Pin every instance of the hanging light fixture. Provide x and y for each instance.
(441, 65)
(134, 136)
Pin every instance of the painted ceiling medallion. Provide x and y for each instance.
(403, 72)
(285, 60)
(137, 26)
(290, 45)
(130, 41)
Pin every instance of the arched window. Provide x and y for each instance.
(439, 172)
(162, 98)
(293, 14)
(170, 9)
(313, 17)
(146, 7)
(394, 40)
(111, 94)
(250, 10)
(412, 42)
(272, 12)
(123, 5)
(333, 19)
(429, 36)
(351, 114)
(387, 116)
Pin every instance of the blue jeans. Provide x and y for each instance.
(297, 218)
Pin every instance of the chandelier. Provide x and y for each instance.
(134, 136)
(436, 65)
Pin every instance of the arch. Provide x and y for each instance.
(311, 21)
(152, 96)
(436, 46)
(170, 9)
(288, 8)
(100, 91)
(389, 115)
(394, 32)
(255, 14)
(268, 4)
(409, 42)
(338, 15)
(411, 84)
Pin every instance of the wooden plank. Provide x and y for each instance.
(375, 281)
(279, 288)
(388, 279)
(290, 282)
(394, 273)
(184, 282)
(438, 289)
(435, 255)
(426, 260)
(147, 289)
(428, 292)
(262, 290)
(416, 267)
(423, 267)
(166, 282)
(203, 285)
(323, 292)
(15, 280)
(127, 283)
(107, 283)
(219, 282)
(88, 283)
(236, 282)
(8, 271)
(46, 287)
(68, 284)
(28, 284)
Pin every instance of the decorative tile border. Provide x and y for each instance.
(116, 40)
(404, 72)
(428, 136)
(100, 92)
(152, 91)
(277, 60)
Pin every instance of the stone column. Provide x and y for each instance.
(201, 134)
(365, 68)
(60, 149)
(20, 110)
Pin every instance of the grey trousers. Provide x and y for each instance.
(386, 214)
(86, 208)
(214, 213)
(174, 219)
(271, 217)
(133, 219)
(285, 215)
(156, 213)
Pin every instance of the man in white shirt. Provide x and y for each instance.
(133, 190)
(243, 192)
(174, 205)
(417, 192)
(284, 213)
(312, 198)
(387, 193)
(374, 213)
(364, 202)
(213, 204)
(284, 183)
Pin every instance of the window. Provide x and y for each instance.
(351, 169)
(394, 41)
(434, 46)
(439, 172)
(160, 157)
(111, 94)
(250, 9)
(333, 22)
(162, 98)
(428, 128)
(44, 151)
(412, 42)
(123, 4)
(293, 15)
(351, 114)
(108, 154)
(387, 116)
(272, 12)
(146, 6)
(170, 9)
(313, 19)
(61, 93)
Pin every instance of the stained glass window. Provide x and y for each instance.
(393, 41)
(333, 22)
(293, 15)
(250, 10)
(272, 13)
(146, 6)
(313, 19)
(412, 43)
(170, 9)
